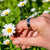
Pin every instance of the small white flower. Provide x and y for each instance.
(33, 15)
(43, 1)
(33, 9)
(49, 8)
(22, 3)
(45, 11)
(6, 42)
(33, 0)
(9, 29)
(5, 12)
(1, 0)
(36, 13)
(46, 0)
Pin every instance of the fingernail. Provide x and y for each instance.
(23, 47)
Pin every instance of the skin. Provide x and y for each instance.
(37, 35)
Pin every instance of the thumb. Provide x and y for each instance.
(30, 41)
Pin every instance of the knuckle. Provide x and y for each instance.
(43, 18)
(44, 21)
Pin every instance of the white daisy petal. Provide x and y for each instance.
(33, 9)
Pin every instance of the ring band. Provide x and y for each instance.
(28, 22)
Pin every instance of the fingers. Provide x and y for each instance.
(21, 25)
(30, 34)
(24, 33)
(17, 46)
(35, 23)
(28, 47)
(35, 34)
(23, 46)
(27, 33)
(29, 41)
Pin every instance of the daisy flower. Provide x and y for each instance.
(36, 13)
(33, 15)
(49, 8)
(46, 0)
(5, 12)
(6, 42)
(33, 0)
(45, 11)
(9, 29)
(1, 0)
(33, 9)
(22, 3)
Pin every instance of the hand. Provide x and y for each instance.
(25, 33)
(41, 25)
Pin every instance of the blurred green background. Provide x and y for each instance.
(18, 14)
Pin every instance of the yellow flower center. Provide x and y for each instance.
(2, 34)
(33, 16)
(6, 13)
(22, 4)
(7, 43)
(9, 30)
(48, 0)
